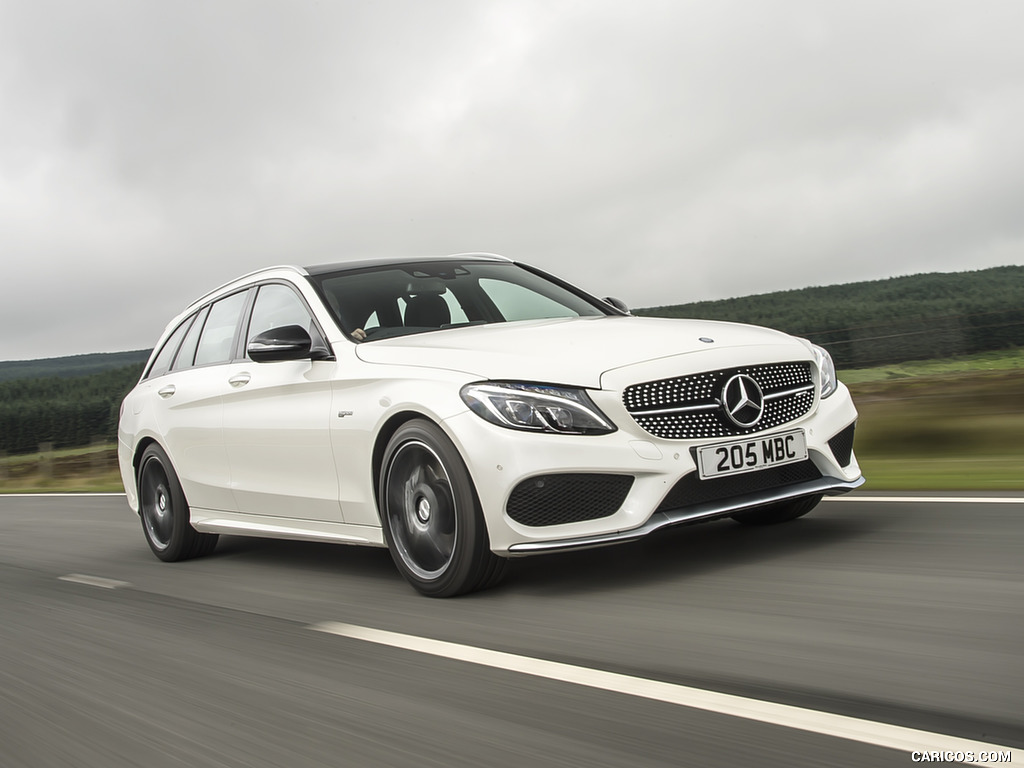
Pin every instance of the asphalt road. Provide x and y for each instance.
(898, 612)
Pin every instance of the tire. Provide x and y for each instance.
(780, 512)
(432, 520)
(164, 511)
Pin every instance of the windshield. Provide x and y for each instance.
(397, 300)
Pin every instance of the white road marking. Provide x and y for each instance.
(94, 581)
(935, 499)
(53, 495)
(839, 726)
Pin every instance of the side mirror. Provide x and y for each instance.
(619, 304)
(290, 342)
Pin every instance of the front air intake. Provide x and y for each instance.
(567, 498)
(691, 490)
(842, 446)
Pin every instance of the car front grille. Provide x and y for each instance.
(570, 497)
(690, 407)
(691, 490)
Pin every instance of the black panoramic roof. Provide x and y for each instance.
(346, 266)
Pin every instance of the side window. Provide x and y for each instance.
(516, 302)
(219, 330)
(163, 360)
(276, 306)
(187, 354)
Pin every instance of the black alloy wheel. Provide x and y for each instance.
(432, 520)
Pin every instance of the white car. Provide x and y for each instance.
(467, 409)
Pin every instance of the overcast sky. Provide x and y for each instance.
(661, 152)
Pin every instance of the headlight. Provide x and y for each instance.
(829, 382)
(536, 408)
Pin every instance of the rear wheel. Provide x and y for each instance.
(432, 520)
(164, 511)
(780, 512)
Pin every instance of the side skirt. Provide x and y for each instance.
(231, 523)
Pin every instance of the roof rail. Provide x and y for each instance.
(496, 256)
(208, 294)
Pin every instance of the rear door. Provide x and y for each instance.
(188, 401)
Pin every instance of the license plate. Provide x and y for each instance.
(750, 455)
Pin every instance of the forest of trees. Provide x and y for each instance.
(65, 411)
(887, 321)
(73, 400)
(67, 367)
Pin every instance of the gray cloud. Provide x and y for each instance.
(660, 151)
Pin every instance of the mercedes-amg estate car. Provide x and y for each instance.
(466, 409)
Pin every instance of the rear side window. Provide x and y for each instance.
(163, 360)
(187, 353)
(218, 336)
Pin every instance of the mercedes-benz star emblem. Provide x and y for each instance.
(743, 400)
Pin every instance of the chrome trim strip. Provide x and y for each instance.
(682, 409)
(298, 270)
(788, 392)
(829, 486)
(275, 531)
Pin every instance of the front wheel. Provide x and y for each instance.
(780, 512)
(432, 520)
(164, 511)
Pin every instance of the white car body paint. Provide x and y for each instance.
(286, 449)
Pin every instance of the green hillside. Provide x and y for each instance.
(870, 323)
(68, 367)
(65, 411)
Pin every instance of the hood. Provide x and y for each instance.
(570, 351)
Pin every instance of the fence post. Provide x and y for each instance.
(96, 458)
(46, 461)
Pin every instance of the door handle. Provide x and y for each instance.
(239, 379)
(166, 392)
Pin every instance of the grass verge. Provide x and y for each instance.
(92, 469)
(973, 473)
(983, 362)
(942, 425)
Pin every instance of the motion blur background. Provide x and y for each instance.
(786, 164)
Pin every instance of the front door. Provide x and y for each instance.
(277, 422)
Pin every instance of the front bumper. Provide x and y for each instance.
(500, 459)
(829, 486)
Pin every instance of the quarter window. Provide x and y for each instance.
(277, 306)
(163, 360)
